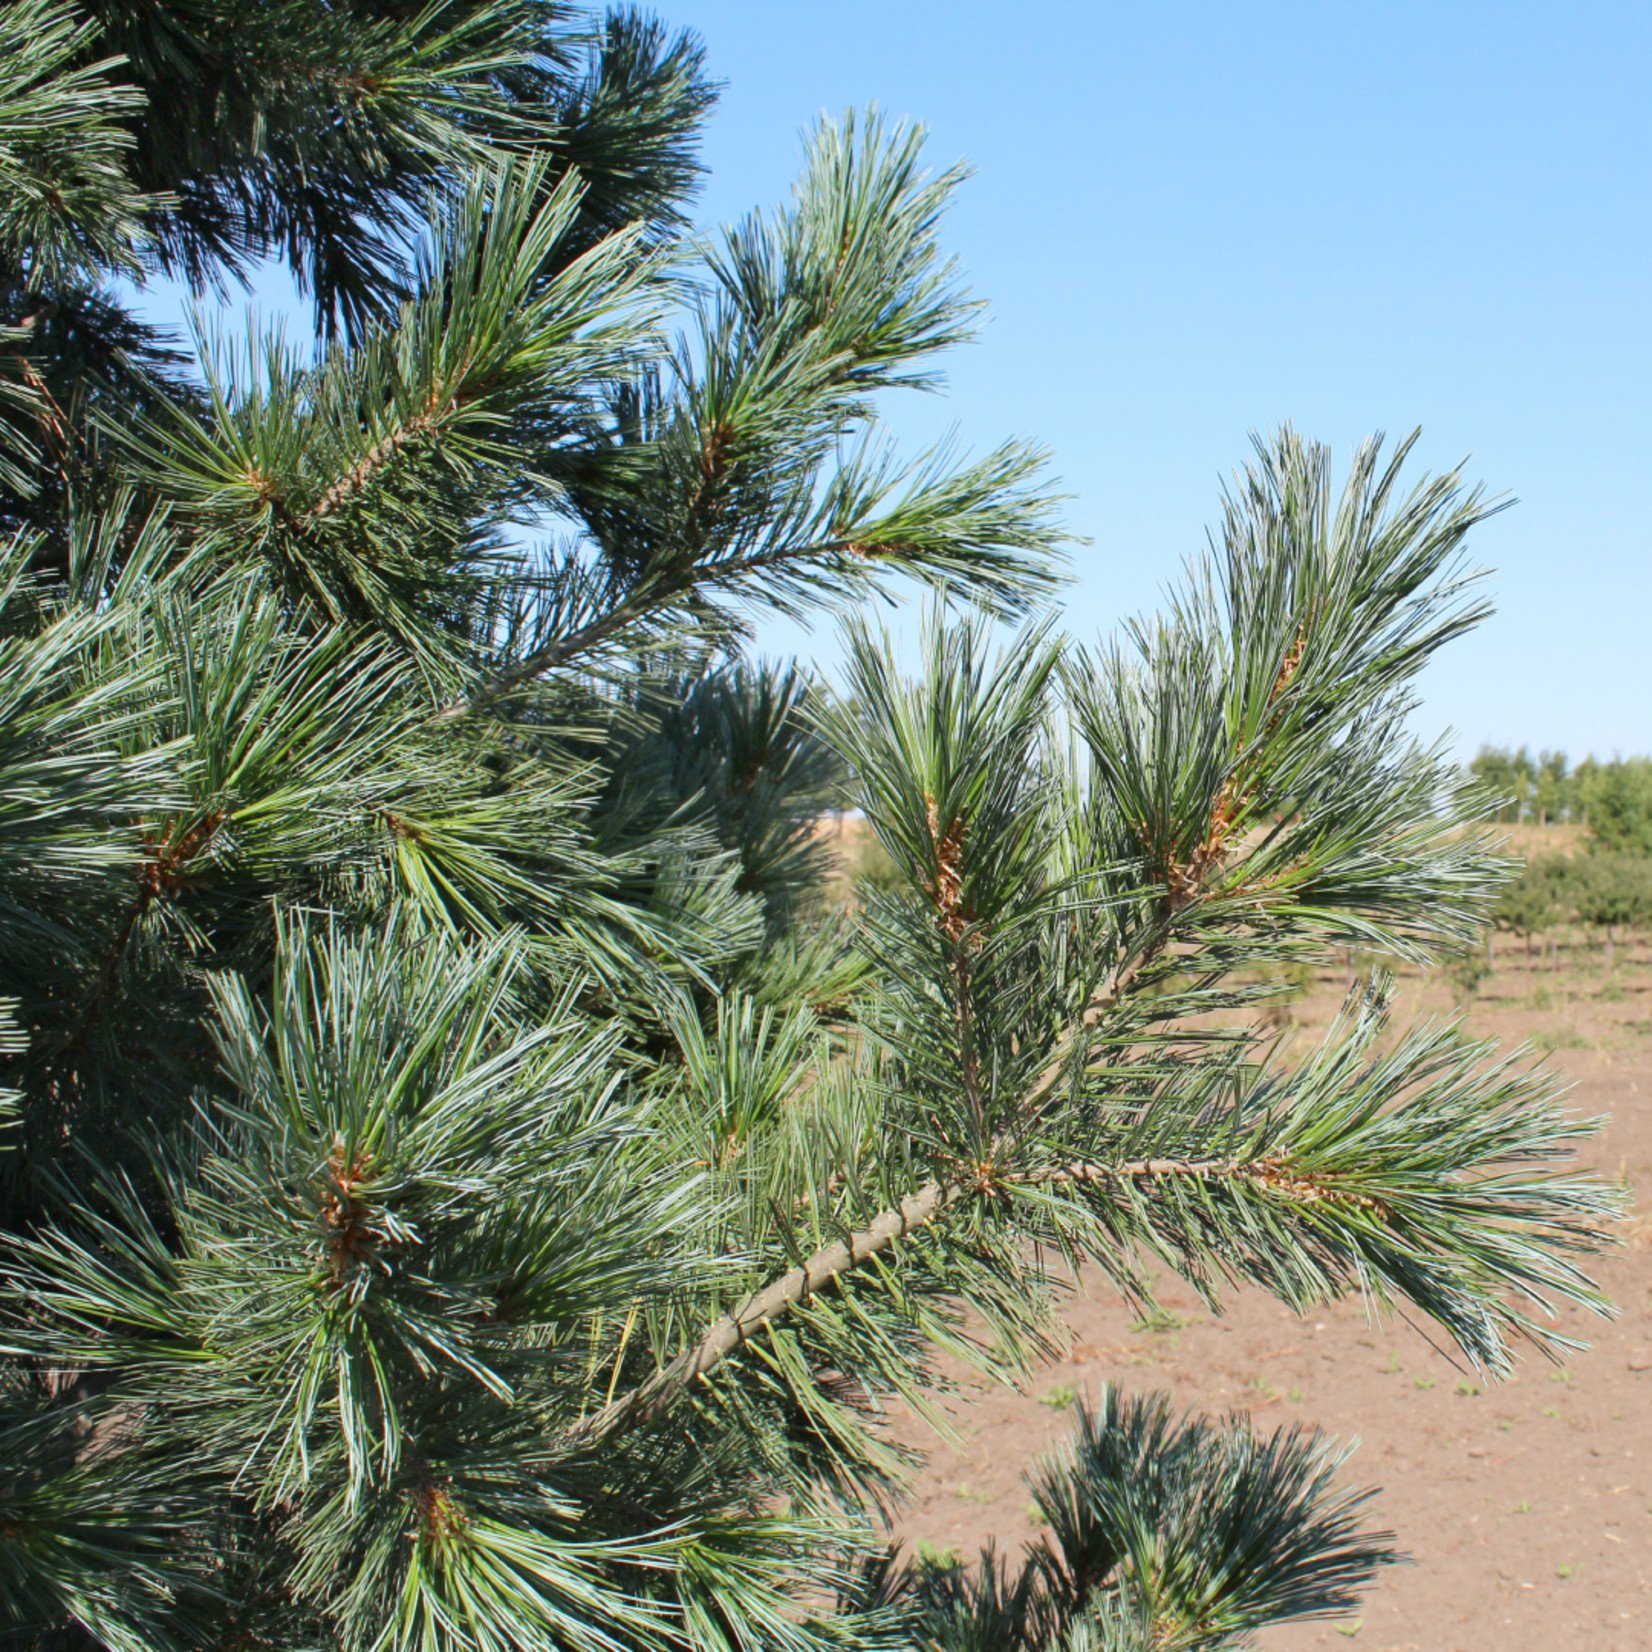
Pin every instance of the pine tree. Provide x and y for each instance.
(464, 1185)
(1550, 788)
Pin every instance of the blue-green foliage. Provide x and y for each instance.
(464, 1186)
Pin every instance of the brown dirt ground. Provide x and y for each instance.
(1526, 1505)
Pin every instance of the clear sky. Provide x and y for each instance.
(1194, 219)
(1198, 218)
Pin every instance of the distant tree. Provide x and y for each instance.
(1619, 801)
(1579, 786)
(1497, 769)
(1612, 799)
(1612, 892)
(1538, 899)
(1549, 787)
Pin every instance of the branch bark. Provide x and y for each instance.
(654, 1396)
(632, 609)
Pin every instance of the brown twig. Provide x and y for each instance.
(955, 920)
(641, 600)
(657, 1393)
(352, 1239)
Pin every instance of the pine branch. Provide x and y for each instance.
(69, 211)
(653, 1398)
(633, 612)
(422, 426)
(1275, 1175)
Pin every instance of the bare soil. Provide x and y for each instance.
(1526, 1505)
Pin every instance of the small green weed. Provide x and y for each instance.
(1559, 1038)
(1159, 1321)
(934, 1557)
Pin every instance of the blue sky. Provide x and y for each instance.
(1195, 220)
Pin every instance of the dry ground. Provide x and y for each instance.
(1527, 1506)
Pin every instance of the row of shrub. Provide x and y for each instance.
(1609, 892)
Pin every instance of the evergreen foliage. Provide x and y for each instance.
(1619, 801)
(1200, 1532)
(463, 1186)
